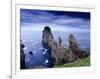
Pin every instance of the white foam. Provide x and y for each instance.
(46, 61)
(44, 51)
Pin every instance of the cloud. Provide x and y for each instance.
(58, 21)
(61, 23)
(68, 21)
(36, 16)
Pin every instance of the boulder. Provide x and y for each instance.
(30, 53)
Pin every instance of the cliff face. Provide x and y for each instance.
(22, 57)
(47, 35)
(52, 46)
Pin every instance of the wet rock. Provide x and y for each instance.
(30, 53)
(22, 57)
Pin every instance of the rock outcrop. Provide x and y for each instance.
(74, 52)
(52, 46)
(56, 53)
(22, 57)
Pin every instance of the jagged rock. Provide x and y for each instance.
(60, 41)
(55, 51)
(22, 57)
(47, 35)
(71, 56)
(75, 52)
(52, 46)
(30, 53)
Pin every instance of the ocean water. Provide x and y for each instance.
(32, 41)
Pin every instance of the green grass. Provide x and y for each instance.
(77, 63)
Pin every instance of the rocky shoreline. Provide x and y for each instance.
(56, 53)
(55, 48)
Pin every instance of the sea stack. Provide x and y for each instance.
(47, 36)
(75, 52)
(51, 45)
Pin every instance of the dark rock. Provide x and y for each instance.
(31, 53)
(60, 40)
(47, 35)
(47, 28)
(22, 57)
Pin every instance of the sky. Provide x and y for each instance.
(31, 19)
(62, 23)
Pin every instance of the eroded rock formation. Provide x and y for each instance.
(57, 54)
(52, 46)
(75, 52)
(22, 57)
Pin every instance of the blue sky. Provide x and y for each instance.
(57, 20)
(62, 23)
